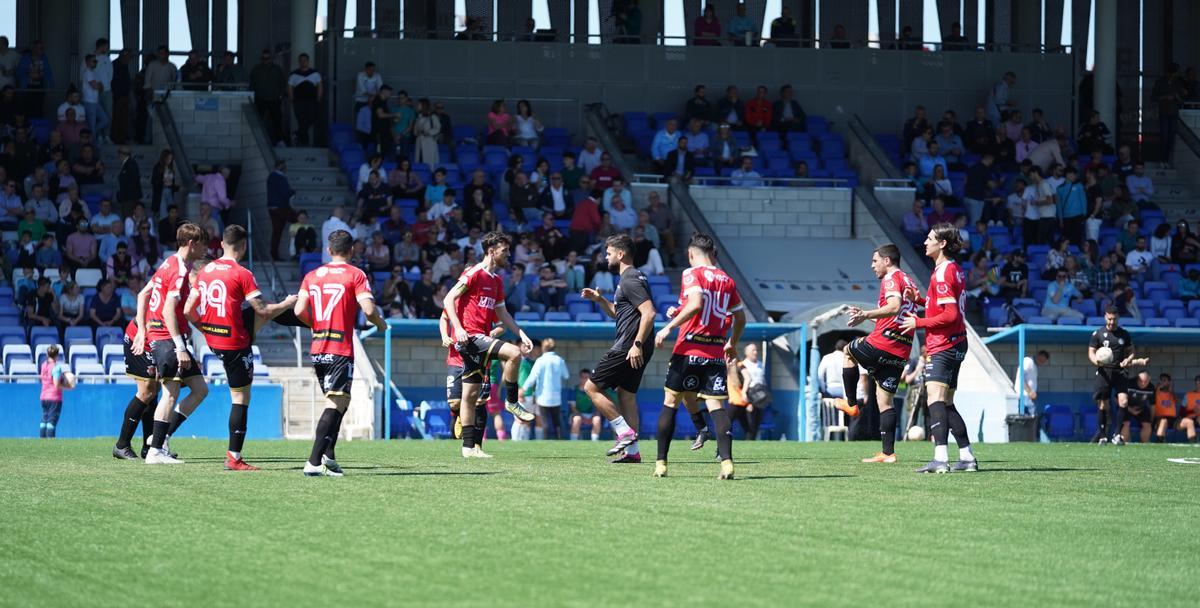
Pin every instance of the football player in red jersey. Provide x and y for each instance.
(215, 308)
(883, 353)
(141, 368)
(946, 343)
(474, 305)
(329, 300)
(454, 373)
(167, 332)
(710, 324)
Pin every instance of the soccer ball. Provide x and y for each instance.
(68, 380)
(916, 433)
(1104, 355)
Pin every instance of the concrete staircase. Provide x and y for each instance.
(320, 186)
(1174, 193)
(145, 156)
(302, 400)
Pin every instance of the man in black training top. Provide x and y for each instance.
(1111, 377)
(623, 365)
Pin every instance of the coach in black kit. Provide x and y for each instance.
(1111, 377)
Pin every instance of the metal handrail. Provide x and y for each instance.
(183, 167)
(799, 182)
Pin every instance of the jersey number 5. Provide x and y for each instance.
(323, 310)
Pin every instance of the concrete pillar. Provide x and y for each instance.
(304, 20)
(1105, 90)
(93, 24)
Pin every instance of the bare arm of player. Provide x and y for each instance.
(301, 307)
(606, 307)
(143, 299)
(189, 308)
(689, 310)
(1092, 356)
(442, 329)
(735, 335)
(506, 320)
(948, 316)
(269, 311)
(449, 305)
(890, 309)
(372, 311)
(645, 326)
(172, 324)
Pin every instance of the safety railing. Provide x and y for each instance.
(747, 182)
(183, 168)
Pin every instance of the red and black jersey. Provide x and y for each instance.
(476, 307)
(334, 291)
(224, 285)
(453, 358)
(131, 329)
(704, 334)
(169, 287)
(944, 322)
(887, 335)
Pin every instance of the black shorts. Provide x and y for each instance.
(943, 366)
(1110, 380)
(884, 367)
(1142, 414)
(168, 365)
(614, 371)
(454, 376)
(139, 366)
(239, 367)
(477, 353)
(700, 375)
(335, 373)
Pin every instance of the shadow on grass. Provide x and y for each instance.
(765, 477)
(1036, 470)
(434, 473)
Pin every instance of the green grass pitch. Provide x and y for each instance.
(551, 524)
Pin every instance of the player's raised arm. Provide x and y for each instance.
(507, 321)
(605, 306)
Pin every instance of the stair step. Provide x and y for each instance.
(308, 179)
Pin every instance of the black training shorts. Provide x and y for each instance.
(614, 371)
(454, 376)
(139, 366)
(1110, 380)
(334, 372)
(700, 375)
(239, 367)
(168, 363)
(884, 367)
(1137, 412)
(477, 353)
(943, 366)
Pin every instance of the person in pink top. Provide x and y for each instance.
(54, 380)
(214, 194)
(499, 124)
(706, 29)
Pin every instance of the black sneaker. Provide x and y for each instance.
(935, 466)
(701, 438)
(965, 466)
(125, 453)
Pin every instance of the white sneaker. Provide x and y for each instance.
(1118, 440)
(332, 466)
(477, 452)
(160, 456)
(319, 471)
(468, 452)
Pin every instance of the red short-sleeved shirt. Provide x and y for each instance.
(887, 335)
(946, 288)
(334, 291)
(453, 358)
(224, 285)
(476, 308)
(704, 334)
(170, 288)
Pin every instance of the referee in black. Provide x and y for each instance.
(625, 362)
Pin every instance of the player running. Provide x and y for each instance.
(625, 362)
(454, 372)
(697, 369)
(167, 330)
(946, 343)
(140, 367)
(335, 292)
(1111, 377)
(473, 305)
(215, 308)
(885, 351)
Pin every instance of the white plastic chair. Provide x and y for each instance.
(833, 420)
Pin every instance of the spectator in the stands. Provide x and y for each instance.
(920, 146)
(478, 196)
(379, 255)
(522, 200)
(585, 220)
(908, 40)
(499, 124)
(590, 156)
(758, 113)
(617, 191)
(979, 131)
(742, 30)
(1123, 166)
(129, 181)
(229, 71)
(955, 41)
(407, 185)
(279, 204)
(1072, 206)
(724, 150)
(1185, 245)
(366, 85)
(606, 228)
(104, 219)
(731, 109)
(786, 114)
(645, 255)
(81, 248)
(1004, 151)
(1141, 187)
(1139, 260)
(1039, 128)
(527, 129)
(571, 172)
(839, 39)
(93, 81)
(195, 73)
(163, 182)
(69, 306)
(983, 280)
(745, 176)
(665, 140)
(951, 147)
(71, 128)
(1025, 145)
(1078, 277)
(119, 266)
(394, 227)
(706, 29)
(1050, 152)
(939, 215)
(663, 221)
(9, 58)
(269, 84)
(43, 209)
(623, 217)
(47, 254)
(938, 185)
(1013, 126)
(1127, 239)
(1189, 286)
(914, 224)
(975, 188)
(647, 227)
(1093, 134)
(383, 139)
(39, 305)
(434, 191)
(144, 245)
(445, 207)
(783, 29)
(998, 102)
(555, 198)
(374, 163)
(1022, 208)
(603, 175)
(74, 101)
(334, 223)
(680, 163)
(1046, 201)
(11, 205)
(913, 128)
(305, 90)
(407, 252)
(214, 192)
(1160, 244)
(1059, 295)
(698, 107)
(1169, 92)
(698, 141)
(551, 289)
(1014, 277)
(374, 198)
(88, 169)
(931, 159)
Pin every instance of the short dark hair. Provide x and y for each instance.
(495, 238)
(234, 235)
(621, 241)
(340, 243)
(369, 64)
(1043, 353)
(704, 243)
(1112, 310)
(889, 252)
(948, 234)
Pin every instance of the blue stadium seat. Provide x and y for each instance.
(1070, 321)
(528, 315)
(1095, 321)
(72, 335)
(559, 317)
(1088, 420)
(437, 422)
(1087, 307)
(1157, 322)
(41, 334)
(1131, 322)
(17, 352)
(1187, 323)
(1059, 422)
(82, 352)
(588, 317)
(111, 353)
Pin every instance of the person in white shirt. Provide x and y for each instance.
(366, 85)
(472, 241)
(1030, 365)
(617, 191)
(746, 176)
(622, 217)
(72, 103)
(104, 76)
(444, 207)
(829, 372)
(589, 156)
(1138, 261)
(334, 223)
